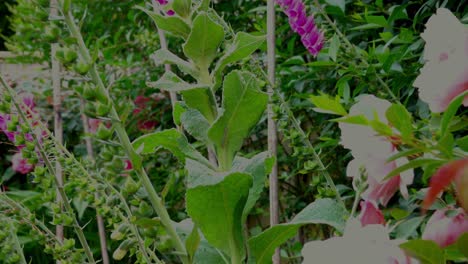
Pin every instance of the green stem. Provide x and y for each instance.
(17, 244)
(136, 160)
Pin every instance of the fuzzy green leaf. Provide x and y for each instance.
(243, 105)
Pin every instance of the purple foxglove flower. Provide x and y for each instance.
(20, 164)
(162, 2)
(302, 24)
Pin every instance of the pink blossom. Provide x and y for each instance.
(455, 171)
(445, 230)
(162, 2)
(359, 244)
(371, 152)
(445, 73)
(28, 100)
(128, 165)
(370, 214)
(304, 25)
(93, 124)
(170, 12)
(20, 164)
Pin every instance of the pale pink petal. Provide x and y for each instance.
(445, 230)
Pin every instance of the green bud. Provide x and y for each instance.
(68, 244)
(7, 97)
(30, 146)
(79, 89)
(130, 186)
(39, 171)
(90, 109)
(82, 68)
(119, 253)
(26, 153)
(70, 56)
(19, 139)
(5, 107)
(89, 93)
(103, 132)
(33, 160)
(102, 109)
(145, 209)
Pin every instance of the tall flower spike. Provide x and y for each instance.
(312, 38)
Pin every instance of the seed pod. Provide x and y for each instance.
(82, 67)
(130, 186)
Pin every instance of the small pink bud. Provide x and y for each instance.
(445, 230)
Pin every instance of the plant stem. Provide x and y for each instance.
(58, 127)
(154, 198)
(272, 130)
(17, 244)
(100, 220)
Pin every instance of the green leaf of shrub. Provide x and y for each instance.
(171, 140)
(243, 105)
(450, 112)
(167, 57)
(323, 211)
(182, 7)
(425, 250)
(400, 118)
(413, 164)
(203, 41)
(328, 105)
(201, 99)
(243, 45)
(172, 24)
(217, 210)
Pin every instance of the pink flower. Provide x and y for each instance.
(370, 214)
(93, 124)
(371, 152)
(170, 12)
(445, 230)
(304, 25)
(368, 244)
(454, 171)
(128, 165)
(162, 2)
(445, 73)
(20, 164)
(28, 100)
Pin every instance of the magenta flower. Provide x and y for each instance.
(370, 214)
(445, 230)
(93, 125)
(20, 164)
(304, 25)
(170, 12)
(162, 2)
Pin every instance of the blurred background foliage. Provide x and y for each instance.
(388, 48)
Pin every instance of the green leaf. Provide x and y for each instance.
(326, 104)
(166, 57)
(244, 44)
(425, 250)
(400, 118)
(408, 227)
(357, 120)
(451, 111)
(200, 174)
(172, 24)
(182, 7)
(377, 20)
(463, 143)
(462, 244)
(404, 153)
(322, 211)
(381, 128)
(201, 99)
(334, 47)
(203, 41)
(259, 166)
(217, 211)
(195, 124)
(412, 164)
(192, 242)
(171, 140)
(171, 82)
(177, 111)
(243, 105)
(338, 3)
